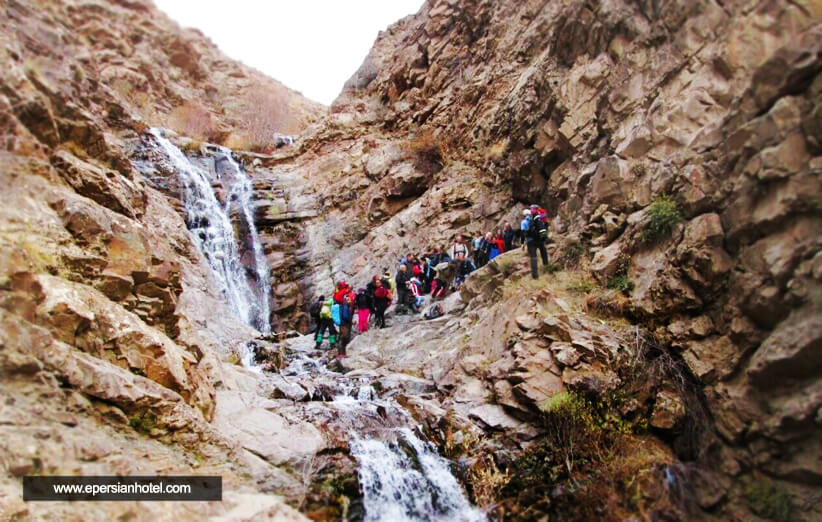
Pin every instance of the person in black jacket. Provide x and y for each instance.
(401, 279)
(364, 306)
(464, 268)
(509, 235)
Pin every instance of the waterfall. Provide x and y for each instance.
(405, 479)
(210, 225)
(401, 476)
(242, 194)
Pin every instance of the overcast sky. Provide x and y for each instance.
(312, 46)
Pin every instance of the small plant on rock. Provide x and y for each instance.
(663, 215)
(768, 501)
(621, 283)
(619, 280)
(143, 422)
(582, 287)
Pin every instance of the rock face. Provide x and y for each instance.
(596, 111)
(114, 338)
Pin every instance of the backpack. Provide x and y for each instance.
(335, 313)
(537, 229)
(434, 312)
(314, 311)
(363, 300)
(325, 309)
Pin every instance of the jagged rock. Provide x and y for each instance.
(791, 352)
(712, 359)
(494, 417)
(111, 190)
(565, 354)
(669, 410)
(606, 262)
(697, 327)
(556, 328)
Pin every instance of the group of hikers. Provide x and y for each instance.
(433, 274)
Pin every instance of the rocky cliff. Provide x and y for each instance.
(677, 149)
(115, 342)
(676, 341)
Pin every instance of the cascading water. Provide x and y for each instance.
(405, 479)
(210, 224)
(241, 194)
(402, 477)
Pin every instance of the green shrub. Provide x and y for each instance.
(143, 422)
(583, 287)
(768, 500)
(663, 217)
(621, 283)
(552, 267)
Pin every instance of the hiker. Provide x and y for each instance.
(364, 306)
(480, 253)
(464, 269)
(314, 312)
(427, 275)
(459, 247)
(439, 257)
(476, 245)
(369, 289)
(401, 279)
(326, 323)
(499, 243)
(382, 298)
(535, 232)
(438, 287)
(509, 235)
(389, 284)
(346, 318)
(416, 298)
(340, 291)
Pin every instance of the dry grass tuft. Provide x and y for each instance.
(193, 120)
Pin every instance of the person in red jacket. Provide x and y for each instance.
(499, 240)
(340, 292)
(382, 298)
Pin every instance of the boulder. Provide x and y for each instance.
(792, 352)
(606, 262)
(246, 419)
(493, 417)
(712, 359)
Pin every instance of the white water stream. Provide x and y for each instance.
(211, 226)
(402, 477)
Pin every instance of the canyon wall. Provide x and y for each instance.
(609, 113)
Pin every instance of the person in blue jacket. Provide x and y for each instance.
(346, 320)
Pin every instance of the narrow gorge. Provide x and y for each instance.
(161, 247)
